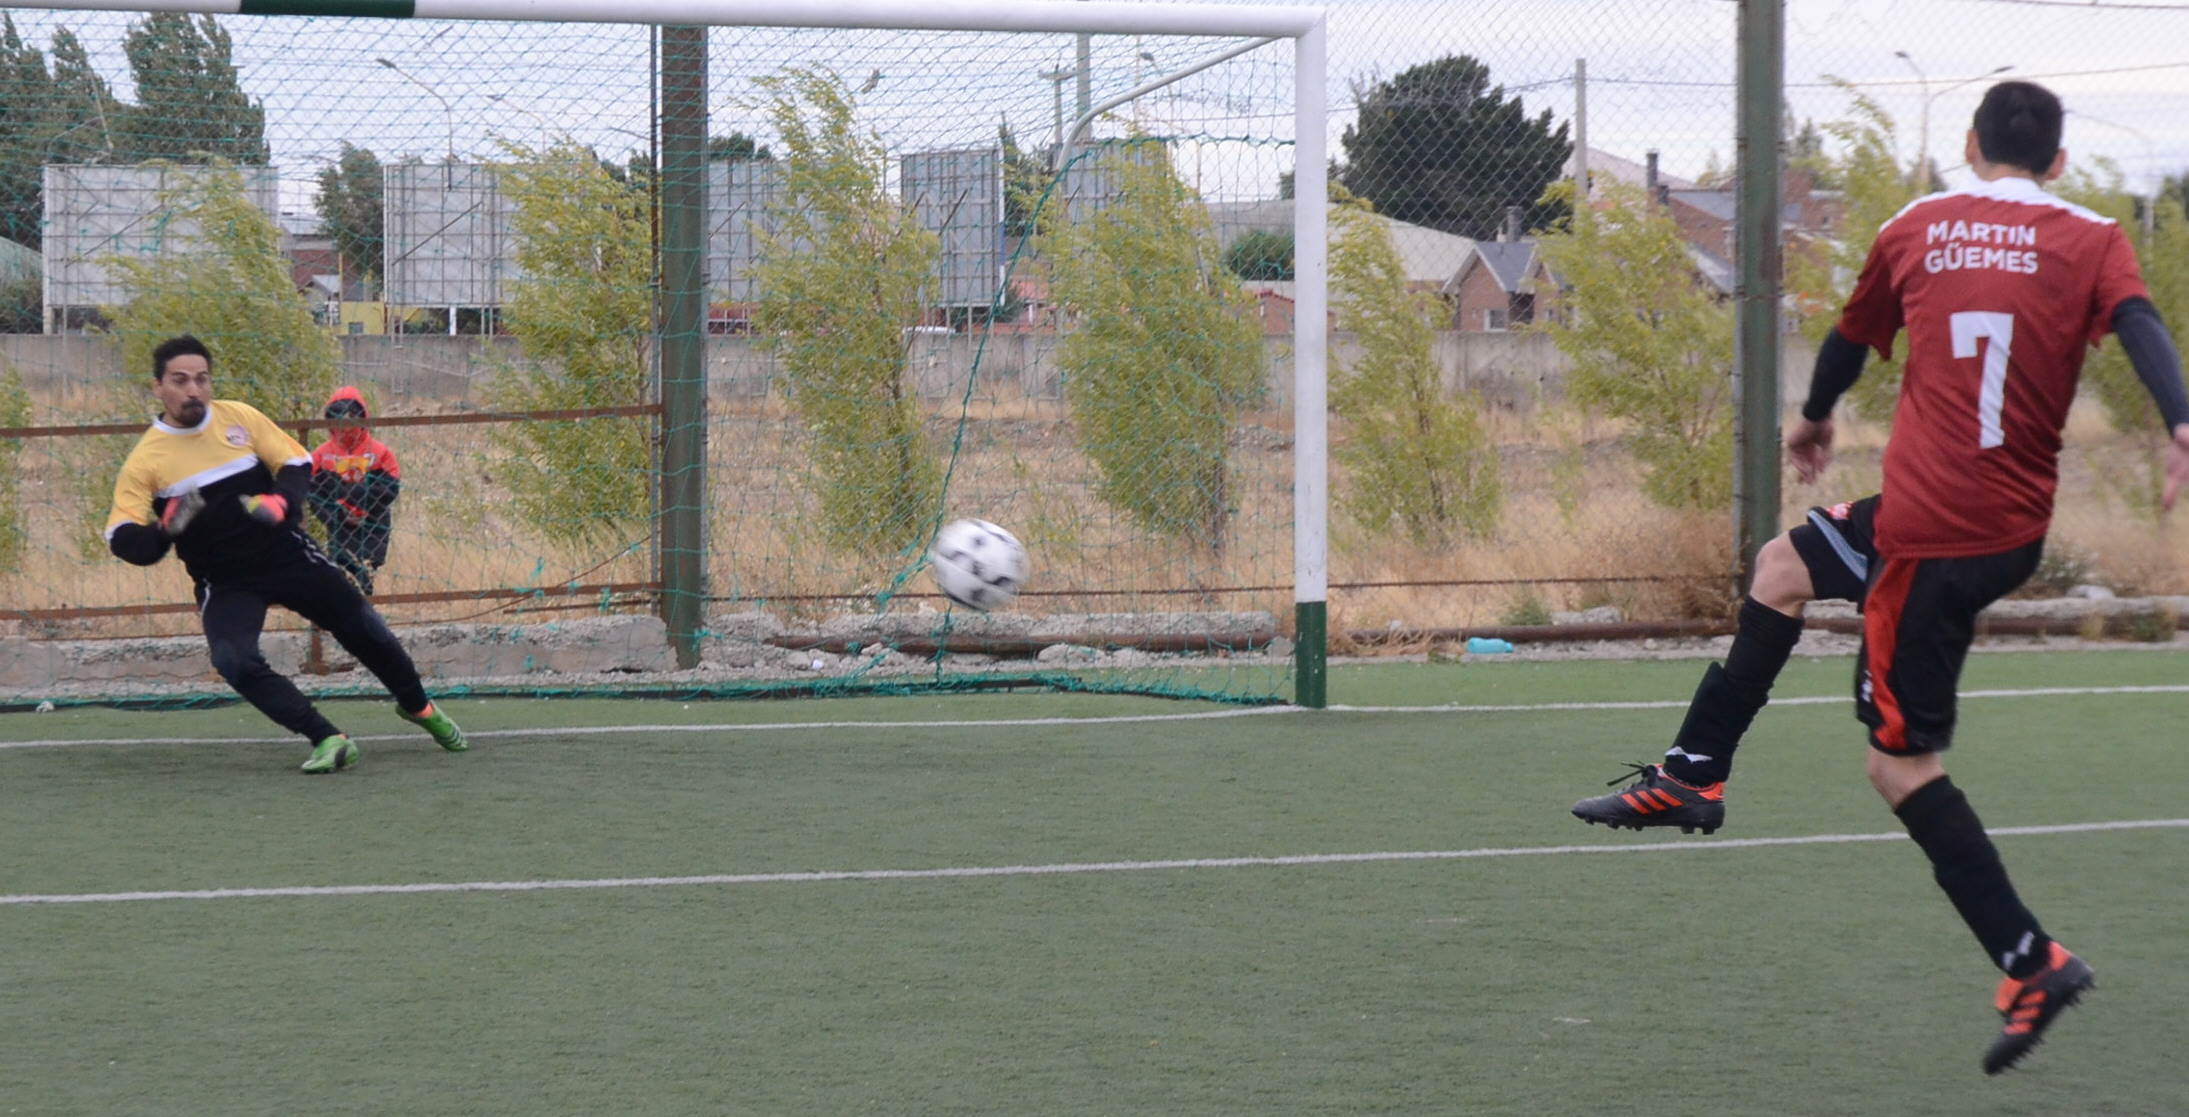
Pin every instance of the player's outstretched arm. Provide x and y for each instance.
(2151, 351)
(1809, 443)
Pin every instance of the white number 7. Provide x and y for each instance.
(1969, 325)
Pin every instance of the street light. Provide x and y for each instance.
(446, 110)
(1056, 79)
(547, 129)
(1923, 158)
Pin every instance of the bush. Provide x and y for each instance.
(583, 315)
(1417, 459)
(842, 280)
(1165, 354)
(1649, 345)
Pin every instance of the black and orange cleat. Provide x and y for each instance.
(2031, 1003)
(1656, 799)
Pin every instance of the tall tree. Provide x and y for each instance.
(26, 97)
(190, 108)
(583, 314)
(1439, 146)
(1165, 353)
(86, 117)
(842, 279)
(350, 204)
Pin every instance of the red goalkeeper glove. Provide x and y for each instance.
(180, 511)
(270, 509)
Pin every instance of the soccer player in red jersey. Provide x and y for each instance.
(2000, 288)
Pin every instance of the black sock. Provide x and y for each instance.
(1728, 698)
(1967, 866)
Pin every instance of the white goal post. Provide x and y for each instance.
(1304, 26)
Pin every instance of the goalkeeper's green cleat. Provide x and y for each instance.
(444, 730)
(331, 755)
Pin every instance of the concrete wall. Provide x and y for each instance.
(1513, 371)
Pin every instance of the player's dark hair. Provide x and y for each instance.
(177, 347)
(2018, 125)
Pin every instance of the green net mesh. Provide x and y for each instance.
(930, 298)
(460, 220)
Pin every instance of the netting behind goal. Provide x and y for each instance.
(923, 304)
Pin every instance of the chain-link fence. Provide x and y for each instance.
(934, 290)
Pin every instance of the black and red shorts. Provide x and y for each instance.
(1839, 546)
(1918, 619)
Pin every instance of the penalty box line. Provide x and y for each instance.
(1065, 869)
(1120, 719)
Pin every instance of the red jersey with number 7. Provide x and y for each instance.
(2002, 288)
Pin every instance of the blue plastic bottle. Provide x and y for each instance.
(1488, 645)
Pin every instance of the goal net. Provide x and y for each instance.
(985, 262)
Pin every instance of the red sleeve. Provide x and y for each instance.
(1872, 315)
(384, 461)
(2119, 279)
(320, 454)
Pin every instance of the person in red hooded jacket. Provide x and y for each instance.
(355, 480)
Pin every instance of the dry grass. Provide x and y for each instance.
(1573, 513)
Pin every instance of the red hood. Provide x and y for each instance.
(353, 438)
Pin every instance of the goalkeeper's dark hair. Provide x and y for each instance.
(174, 347)
(2018, 125)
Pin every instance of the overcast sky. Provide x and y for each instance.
(1661, 75)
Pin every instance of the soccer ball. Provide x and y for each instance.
(977, 564)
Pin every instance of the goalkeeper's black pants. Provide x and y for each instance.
(233, 611)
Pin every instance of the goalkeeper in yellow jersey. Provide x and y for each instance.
(221, 484)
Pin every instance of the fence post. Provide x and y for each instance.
(683, 338)
(1759, 160)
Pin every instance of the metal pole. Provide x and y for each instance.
(1310, 386)
(1580, 138)
(683, 177)
(1759, 161)
(1083, 59)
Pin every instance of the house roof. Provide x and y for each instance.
(1720, 204)
(1508, 263)
(1429, 256)
(1604, 165)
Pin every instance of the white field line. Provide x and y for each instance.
(1123, 719)
(1066, 869)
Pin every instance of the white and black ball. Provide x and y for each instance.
(977, 564)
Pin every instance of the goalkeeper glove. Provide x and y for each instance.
(270, 509)
(180, 511)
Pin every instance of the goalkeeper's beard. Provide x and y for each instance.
(191, 415)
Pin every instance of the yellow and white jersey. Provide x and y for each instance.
(233, 453)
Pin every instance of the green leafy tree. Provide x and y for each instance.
(1165, 354)
(1261, 256)
(1418, 460)
(1820, 276)
(1648, 344)
(15, 411)
(190, 108)
(351, 205)
(227, 281)
(1439, 146)
(1025, 180)
(229, 284)
(842, 279)
(26, 100)
(86, 118)
(737, 147)
(583, 316)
